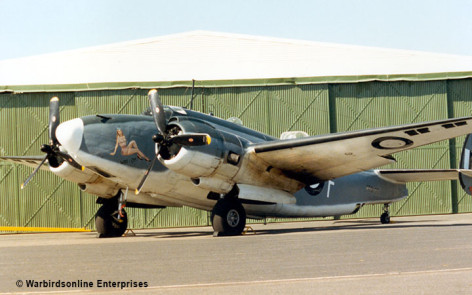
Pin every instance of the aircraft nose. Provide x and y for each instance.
(70, 134)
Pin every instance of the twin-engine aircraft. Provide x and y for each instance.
(177, 157)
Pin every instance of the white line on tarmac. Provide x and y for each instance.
(202, 285)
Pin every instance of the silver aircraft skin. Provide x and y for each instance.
(178, 157)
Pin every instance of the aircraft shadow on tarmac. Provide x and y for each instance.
(351, 227)
(338, 225)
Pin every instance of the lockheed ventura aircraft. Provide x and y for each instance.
(173, 156)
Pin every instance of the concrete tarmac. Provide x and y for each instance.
(412, 255)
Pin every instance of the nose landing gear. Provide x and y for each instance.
(107, 224)
(111, 219)
(385, 217)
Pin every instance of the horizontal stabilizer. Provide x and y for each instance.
(418, 175)
(466, 163)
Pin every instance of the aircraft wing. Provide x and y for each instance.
(335, 155)
(30, 161)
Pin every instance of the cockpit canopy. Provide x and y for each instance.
(169, 110)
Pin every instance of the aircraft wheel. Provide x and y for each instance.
(107, 224)
(385, 218)
(228, 217)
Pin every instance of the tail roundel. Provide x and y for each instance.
(465, 172)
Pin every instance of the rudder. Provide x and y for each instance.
(465, 172)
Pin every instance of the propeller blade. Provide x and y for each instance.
(158, 111)
(141, 183)
(191, 139)
(163, 138)
(53, 120)
(24, 184)
(68, 159)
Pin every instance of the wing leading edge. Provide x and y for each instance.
(30, 161)
(335, 155)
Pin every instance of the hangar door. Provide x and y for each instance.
(313, 108)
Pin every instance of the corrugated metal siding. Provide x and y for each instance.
(300, 108)
(460, 97)
(377, 104)
(9, 208)
(316, 109)
(109, 102)
(248, 104)
(273, 110)
(424, 101)
(48, 200)
(46, 193)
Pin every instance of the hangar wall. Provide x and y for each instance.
(315, 108)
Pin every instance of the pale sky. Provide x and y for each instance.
(32, 27)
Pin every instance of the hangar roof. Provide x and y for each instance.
(222, 59)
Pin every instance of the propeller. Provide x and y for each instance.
(164, 138)
(53, 154)
(53, 120)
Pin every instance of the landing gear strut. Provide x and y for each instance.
(111, 219)
(385, 217)
(228, 217)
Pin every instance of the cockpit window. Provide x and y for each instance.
(179, 110)
(169, 110)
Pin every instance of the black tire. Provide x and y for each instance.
(385, 218)
(107, 224)
(228, 217)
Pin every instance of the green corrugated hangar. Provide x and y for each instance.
(272, 85)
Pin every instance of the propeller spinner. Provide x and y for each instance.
(163, 138)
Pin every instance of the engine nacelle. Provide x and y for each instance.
(68, 172)
(211, 166)
(194, 163)
(88, 181)
(265, 194)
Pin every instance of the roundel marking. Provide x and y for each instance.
(391, 142)
(315, 188)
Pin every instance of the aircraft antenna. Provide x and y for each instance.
(191, 94)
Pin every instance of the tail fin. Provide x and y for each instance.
(465, 174)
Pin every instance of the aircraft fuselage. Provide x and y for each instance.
(119, 148)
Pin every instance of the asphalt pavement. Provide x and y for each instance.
(412, 255)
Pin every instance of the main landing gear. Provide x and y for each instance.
(385, 217)
(111, 219)
(228, 217)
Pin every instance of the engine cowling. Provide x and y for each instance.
(211, 166)
(88, 181)
(194, 163)
(68, 172)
